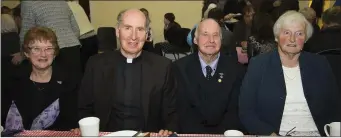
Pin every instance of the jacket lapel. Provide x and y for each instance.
(146, 85)
(194, 77)
(306, 78)
(111, 80)
(225, 75)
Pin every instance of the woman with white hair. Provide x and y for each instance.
(288, 91)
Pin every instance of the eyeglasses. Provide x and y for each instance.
(37, 50)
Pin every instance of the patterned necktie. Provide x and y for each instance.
(208, 72)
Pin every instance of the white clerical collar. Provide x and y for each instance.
(129, 60)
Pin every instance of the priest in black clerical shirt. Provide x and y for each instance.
(130, 89)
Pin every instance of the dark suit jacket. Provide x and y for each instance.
(327, 38)
(222, 113)
(67, 118)
(263, 93)
(158, 90)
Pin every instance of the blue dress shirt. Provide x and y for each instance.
(213, 65)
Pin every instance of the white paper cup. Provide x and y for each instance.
(233, 133)
(89, 126)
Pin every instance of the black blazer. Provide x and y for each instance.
(223, 110)
(67, 118)
(158, 88)
(263, 93)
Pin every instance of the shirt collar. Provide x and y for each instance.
(213, 64)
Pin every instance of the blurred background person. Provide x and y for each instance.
(310, 15)
(87, 34)
(149, 44)
(329, 37)
(17, 16)
(262, 39)
(169, 32)
(227, 35)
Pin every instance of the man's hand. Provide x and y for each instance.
(76, 131)
(164, 133)
(244, 46)
(17, 58)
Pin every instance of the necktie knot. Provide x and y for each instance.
(208, 72)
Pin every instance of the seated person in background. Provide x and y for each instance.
(262, 39)
(242, 29)
(148, 45)
(209, 85)
(46, 98)
(287, 91)
(241, 33)
(310, 15)
(169, 31)
(130, 89)
(227, 35)
(330, 35)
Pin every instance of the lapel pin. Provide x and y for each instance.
(221, 75)
(59, 82)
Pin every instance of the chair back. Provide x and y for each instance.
(179, 38)
(106, 39)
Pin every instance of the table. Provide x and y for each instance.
(48, 133)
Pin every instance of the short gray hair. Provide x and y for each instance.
(309, 13)
(291, 17)
(120, 16)
(8, 24)
(196, 33)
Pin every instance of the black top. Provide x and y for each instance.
(171, 30)
(43, 98)
(127, 112)
(32, 98)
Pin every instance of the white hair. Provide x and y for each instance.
(8, 24)
(196, 33)
(289, 18)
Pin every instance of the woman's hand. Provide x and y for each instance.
(76, 131)
(164, 133)
(17, 58)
